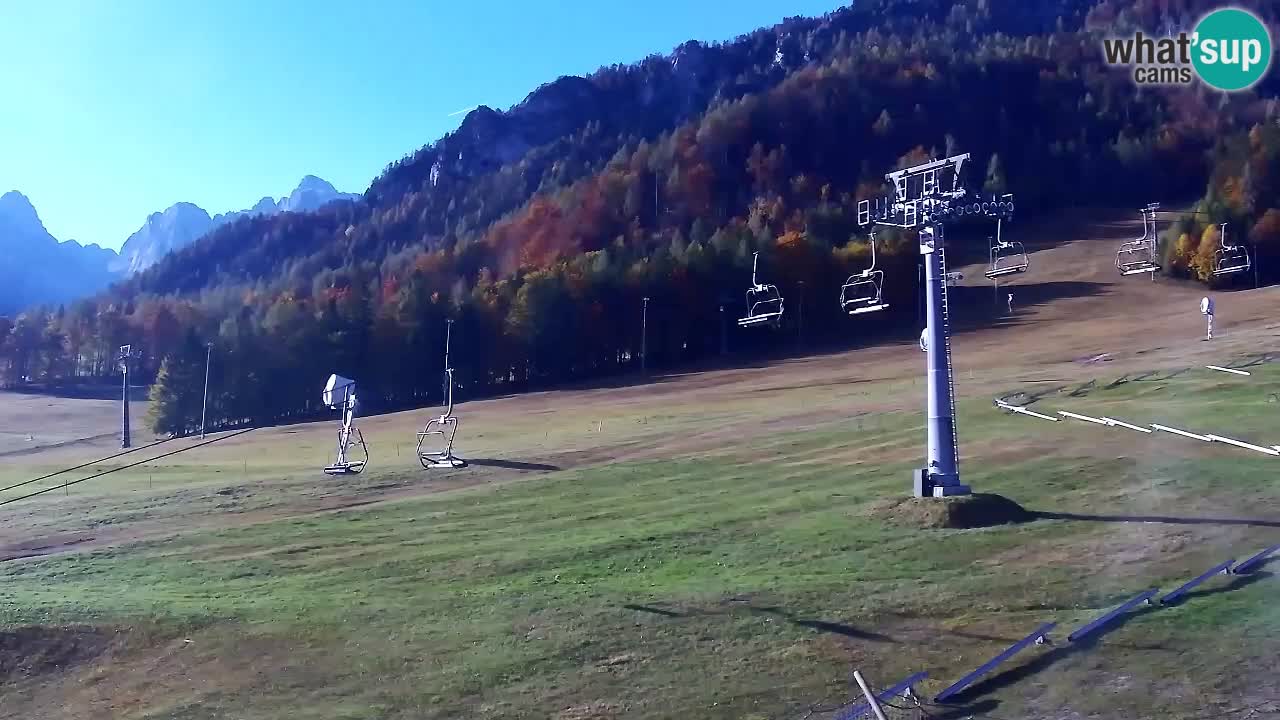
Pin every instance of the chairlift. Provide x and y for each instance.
(340, 394)
(1229, 259)
(764, 302)
(1140, 256)
(1007, 256)
(444, 428)
(862, 293)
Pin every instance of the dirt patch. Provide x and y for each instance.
(39, 649)
(954, 513)
(43, 546)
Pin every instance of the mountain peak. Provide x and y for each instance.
(312, 193)
(311, 182)
(17, 207)
(52, 272)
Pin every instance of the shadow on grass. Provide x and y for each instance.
(1045, 660)
(1237, 582)
(512, 465)
(824, 626)
(1161, 519)
(655, 611)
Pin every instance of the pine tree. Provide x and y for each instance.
(177, 393)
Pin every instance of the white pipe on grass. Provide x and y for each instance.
(1024, 411)
(1241, 444)
(1120, 423)
(1226, 370)
(1086, 418)
(1183, 433)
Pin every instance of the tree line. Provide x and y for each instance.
(544, 260)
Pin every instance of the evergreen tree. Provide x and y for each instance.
(177, 393)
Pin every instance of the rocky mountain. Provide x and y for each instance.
(161, 234)
(36, 267)
(312, 193)
(183, 223)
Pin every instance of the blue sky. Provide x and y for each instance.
(116, 109)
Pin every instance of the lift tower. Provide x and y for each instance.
(126, 355)
(926, 198)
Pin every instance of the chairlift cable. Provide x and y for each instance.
(126, 467)
(85, 465)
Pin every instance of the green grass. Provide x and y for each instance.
(686, 588)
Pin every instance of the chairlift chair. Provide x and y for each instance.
(1139, 256)
(1007, 256)
(445, 428)
(1229, 259)
(862, 293)
(340, 394)
(764, 302)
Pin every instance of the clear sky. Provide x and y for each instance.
(113, 109)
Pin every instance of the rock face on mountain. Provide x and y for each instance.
(36, 268)
(312, 193)
(161, 234)
(184, 223)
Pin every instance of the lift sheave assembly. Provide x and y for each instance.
(764, 302)
(340, 394)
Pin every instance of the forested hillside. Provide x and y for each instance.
(540, 230)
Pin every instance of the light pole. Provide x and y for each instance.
(644, 337)
(724, 337)
(448, 337)
(204, 406)
(126, 354)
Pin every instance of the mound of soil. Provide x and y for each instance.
(39, 649)
(955, 513)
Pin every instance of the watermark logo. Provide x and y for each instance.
(1229, 50)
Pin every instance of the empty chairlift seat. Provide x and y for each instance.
(863, 292)
(1008, 257)
(1141, 255)
(764, 302)
(1229, 259)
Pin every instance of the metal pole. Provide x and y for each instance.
(871, 697)
(920, 296)
(942, 469)
(448, 335)
(724, 336)
(445, 385)
(644, 337)
(124, 397)
(204, 408)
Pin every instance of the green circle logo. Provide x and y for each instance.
(1232, 49)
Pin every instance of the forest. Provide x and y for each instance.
(541, 230)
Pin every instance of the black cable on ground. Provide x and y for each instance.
(126, 467)
(85, 465)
